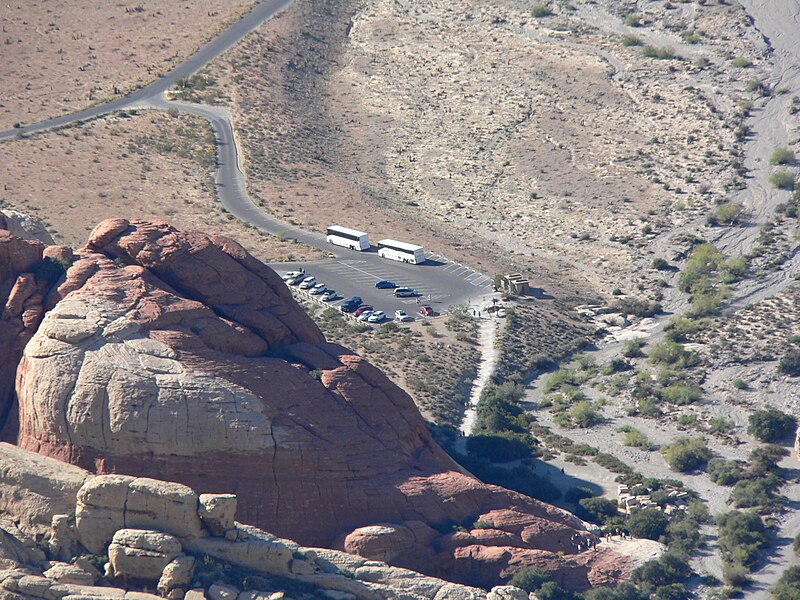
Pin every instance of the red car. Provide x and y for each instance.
(426, 311)
(361, 309)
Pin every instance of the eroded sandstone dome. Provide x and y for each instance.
(179, 356)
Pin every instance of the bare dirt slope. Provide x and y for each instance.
(62, 55)
(153, 165)
(542, 144)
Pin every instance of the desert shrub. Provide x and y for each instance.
(742, 62)
(612, 463)
(660, 52)
(502, 446)
(552, 591)
(631, 40)
(530, 580)
(636, 439)
(739, 384)
(788, 586)
(770, 425)
(673, 591)
(681, 329)
(659, 264)
(666, 570)
(782, 156)
(686, 453)
(742, 536)
(671, 353)
(577, 494)
(764, 460)
(597, 510)
(703, 260)
(633, 348)
(585, 414)
(635, 306)
(50, 270)
(720, 425)
(782, 180)
(648, 523)
(790, 363)
(540, 10)
(498, 408)
(724, 472)
(753, 493)
(633, 20)
(682, 394)
(726, 214)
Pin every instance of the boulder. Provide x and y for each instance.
(507, 592)
(67, 573)
(217, 511)
(138, 555)
(218, 591)
(176, 575)
(383, 542)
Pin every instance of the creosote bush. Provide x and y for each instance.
(686, 453)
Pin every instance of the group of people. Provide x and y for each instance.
(585, 541)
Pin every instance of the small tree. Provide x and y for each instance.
(530, 580)
(790, 363)
(648, 523)
(770, 425)
(782, 180)
(686, 453)
(782, 156)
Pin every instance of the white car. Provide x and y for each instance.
(291, 275)
(402, 316)
(308, 283)
(328, 296)
(318, 288)
(376, 316)
(365, 315)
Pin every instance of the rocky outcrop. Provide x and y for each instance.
(178, 355)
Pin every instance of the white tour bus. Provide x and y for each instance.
(349, 238)
(401, 251)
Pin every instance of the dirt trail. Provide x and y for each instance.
(487, 335)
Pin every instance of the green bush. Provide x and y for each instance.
(636, 439)
(597, 510)
(671, 353)
(682, 329)
(790, 363)
(682, 394)
(726, 214)
(686, 453)
(633, 20)
(788, 586)
(770, 425)
(502, 447)
(660, 52)
(782, 156)
(741, 62)
(530, 580)
(584, 414)
(782, 180)
(666, 570)
(648, 523)
(540, 10)
(742, 536)
(633, 348)
(724, 472)
(631, 40)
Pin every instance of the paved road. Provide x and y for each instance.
(441, 282)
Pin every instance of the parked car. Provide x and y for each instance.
(318, 288)
(351, 304)
(404, 292)
(291, 275)
(426, 311)
(376, 316)
(364, 316)
(385, 284)
(308, 283)
(361, 309)
(402, 316)
(296, 279)
(328, 295)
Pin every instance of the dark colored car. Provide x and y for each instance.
(426, 310)
(361, 309)
(351, 304)
(385, 284)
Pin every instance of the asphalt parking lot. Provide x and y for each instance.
(441, 283)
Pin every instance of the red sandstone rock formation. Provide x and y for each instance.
(179, 356)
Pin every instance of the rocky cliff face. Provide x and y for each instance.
(179, 356)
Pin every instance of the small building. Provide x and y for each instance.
(515, 284)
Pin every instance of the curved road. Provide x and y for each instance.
(353, 273)
(225, 40)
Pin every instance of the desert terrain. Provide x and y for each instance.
(636, 160)
(62, 56)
